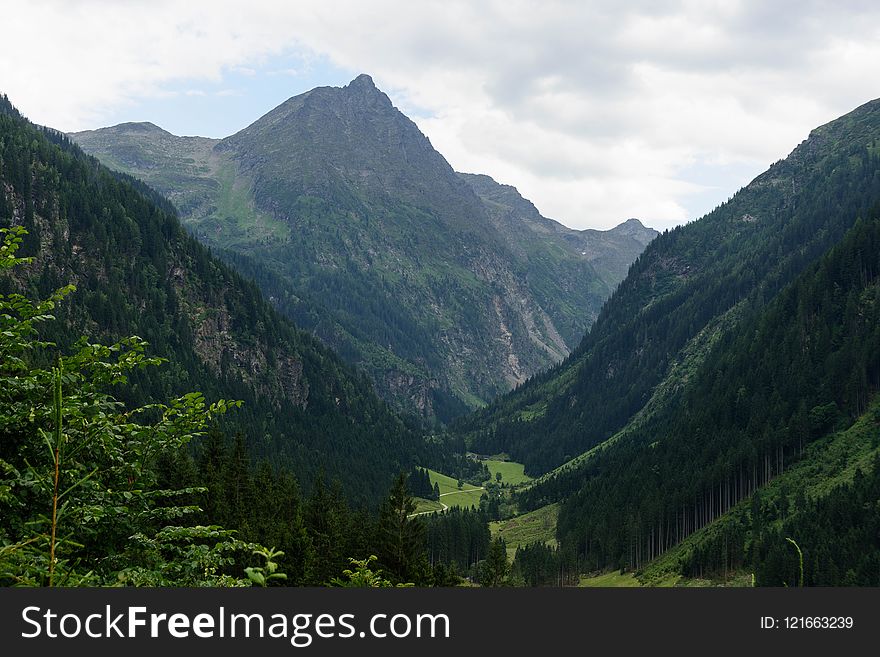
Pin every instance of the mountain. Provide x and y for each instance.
(610, 252)
(781, 438)
(446, 289)
(734, 371)
(138, 272)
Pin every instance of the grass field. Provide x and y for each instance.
(426, 506)
(451, 494)
(511, 473)
(614, 579)
(536, 526)
(469, 495)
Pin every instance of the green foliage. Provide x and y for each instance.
(495, 569)
(729, 546)
(538, 526)
(79, 494)
(362, 576)
(540, 564)
(198, 555)
(268, 573)
(401, 537)
(458, 538)
(235, 494)
(329, 522)
(419, 482)
(834, 538)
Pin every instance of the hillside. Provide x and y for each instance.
(759, 409)
(758, 420)
(833, 474)
(691, 287)
(138, 272)
(446, 289)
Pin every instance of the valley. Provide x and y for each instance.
(421, 367)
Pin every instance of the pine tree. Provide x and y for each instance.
(495, 568)
(401, 538)
(326, 521)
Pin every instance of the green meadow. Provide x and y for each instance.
(511, 473)
(451, 495)
(536, 526)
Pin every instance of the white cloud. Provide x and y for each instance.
(596, 111)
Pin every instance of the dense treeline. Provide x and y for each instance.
(317, 534)
(742, 254)
(321, 533)
(832, 537)
(139, 273)
(539, 564)
(458, 538)
(804, 367)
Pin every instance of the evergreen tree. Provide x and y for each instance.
(495, 568)
(401, 537)
(326, 523)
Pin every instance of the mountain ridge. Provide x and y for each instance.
(363, 234)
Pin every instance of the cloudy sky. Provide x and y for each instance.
(596, 111)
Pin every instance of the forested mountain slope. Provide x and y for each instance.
(138, 272)
(786, 396)
(354, 226)
(692, 285)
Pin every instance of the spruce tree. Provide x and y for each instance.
(495, 568)
(401, 538)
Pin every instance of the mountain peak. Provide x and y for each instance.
(140, 126)
(363, 81)
(136, 129)
(362, 90)
(636, 230)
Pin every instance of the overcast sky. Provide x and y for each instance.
(596, 111)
